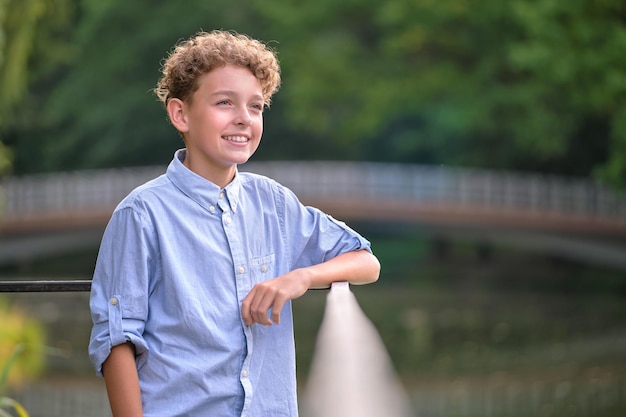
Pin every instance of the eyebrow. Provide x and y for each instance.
(232, 93)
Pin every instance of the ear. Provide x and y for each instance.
(176, 111)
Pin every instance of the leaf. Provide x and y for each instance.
(9, 402)
(4, 373)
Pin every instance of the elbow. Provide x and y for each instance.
(371, 268)
(375, 269)
(365, 268)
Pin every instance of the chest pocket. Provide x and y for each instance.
(262, 268)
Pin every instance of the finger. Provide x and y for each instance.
(277, 308)
(260, 307)
(246, 307)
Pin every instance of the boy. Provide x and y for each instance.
(191, 293)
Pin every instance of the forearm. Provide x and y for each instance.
(357, 267)
(122, 382)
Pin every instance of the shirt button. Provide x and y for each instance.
(264, 268)
(211, 209)
(221, 195)
(114, 301)
(228, 220)
(244, 373)
(241, 270)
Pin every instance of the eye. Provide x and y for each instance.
(257, 106)
(224, 102)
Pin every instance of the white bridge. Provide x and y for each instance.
(433, 196)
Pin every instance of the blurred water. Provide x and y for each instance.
(351, 373)
(567, 359)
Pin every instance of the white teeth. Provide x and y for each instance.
(236, 138)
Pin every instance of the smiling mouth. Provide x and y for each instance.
(238, 139)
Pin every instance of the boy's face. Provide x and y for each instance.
(222, 123)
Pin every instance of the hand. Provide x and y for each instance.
(272, 294)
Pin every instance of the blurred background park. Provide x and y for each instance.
(481, 318)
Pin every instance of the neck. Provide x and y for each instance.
(220, 176)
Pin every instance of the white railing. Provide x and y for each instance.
(445, 185)
(498, 191)
(70, 192)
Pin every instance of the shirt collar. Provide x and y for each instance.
(199, 189)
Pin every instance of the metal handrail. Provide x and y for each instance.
(45, 286)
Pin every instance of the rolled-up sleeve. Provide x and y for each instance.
(312, 235)
(120, 287)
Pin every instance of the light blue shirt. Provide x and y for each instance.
(177, 259)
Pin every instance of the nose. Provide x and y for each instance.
(243, 117)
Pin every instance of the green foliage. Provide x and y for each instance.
(5, 159)
(101, 111)
(518, 85)
(21, 353)
(22, 346)
(506, 85)
(30, 48)
(6, 402)
(17, 25)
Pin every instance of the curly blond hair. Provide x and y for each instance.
(206, 51)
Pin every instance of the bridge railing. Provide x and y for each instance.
(71, 192)
(444, 185)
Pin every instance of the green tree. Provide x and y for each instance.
(101, 112)
(32, 47)
(521, 84)
(525, 84)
